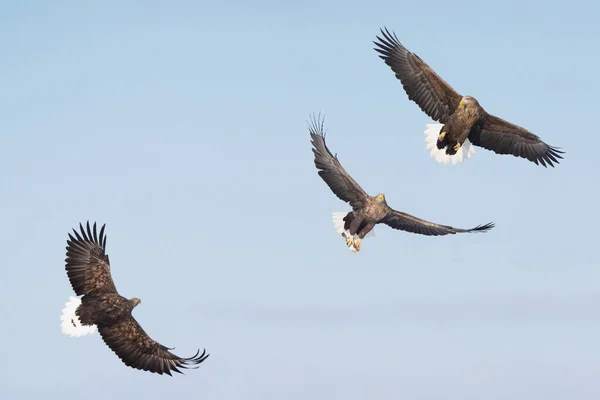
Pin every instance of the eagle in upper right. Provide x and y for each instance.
(367, 211)
(463, 121)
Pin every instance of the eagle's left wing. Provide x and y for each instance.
(502, 137)
(406, 222)
(137, 350)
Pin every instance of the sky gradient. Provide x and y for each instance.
(181, 125)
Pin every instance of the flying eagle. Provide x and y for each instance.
(367, 211)
(103, 308)
(463, 120)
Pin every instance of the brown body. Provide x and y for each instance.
(361, 222)
(105, 309)
(460, 125)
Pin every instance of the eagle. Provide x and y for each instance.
(463, 121)
(367, 211)
(104, 309)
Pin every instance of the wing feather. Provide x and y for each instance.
(503, 137)
(137, 350)
(434, 96)
(87, 264)
(330, 169)
(406, 222)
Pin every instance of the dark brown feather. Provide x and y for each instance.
(136, 349)
(503, 137)
(402, 221)
(427, 89)
(87, 264)
(330, 169)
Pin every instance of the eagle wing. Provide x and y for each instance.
(432, 94)
(87, 264)
(406, 222)
(136, 349)
(330, 169)
(502, 137)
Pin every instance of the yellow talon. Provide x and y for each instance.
(457, 147)
(357, 244)
(350, 241)
(442, 136)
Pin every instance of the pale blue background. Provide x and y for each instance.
(182, 126)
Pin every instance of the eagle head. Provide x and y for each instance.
(468, 102)
(134, 302)
(470, 106)
(380, 198)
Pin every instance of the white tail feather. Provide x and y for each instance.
(338, 222)
(70, 324)
(432, 132)
(338, 225)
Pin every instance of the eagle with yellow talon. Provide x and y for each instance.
(463, 121)
(367, 211)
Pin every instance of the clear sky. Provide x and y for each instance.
(181, 125)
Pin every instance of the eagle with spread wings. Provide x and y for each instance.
(367, 211)
(463, 121)
(104, 309)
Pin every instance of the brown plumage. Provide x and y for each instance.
(88, 269)
(462, 116)
(367, 211)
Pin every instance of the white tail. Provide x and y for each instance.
(70, 324)
(338, 225)
(432, 132)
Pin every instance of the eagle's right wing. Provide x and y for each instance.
(432, 94)
(136, 349)
(330, 169)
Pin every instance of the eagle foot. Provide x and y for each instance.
(456, 147)
(442, 140)
(350, 241)
(357, 244)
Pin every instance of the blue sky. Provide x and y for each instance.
(181, 125)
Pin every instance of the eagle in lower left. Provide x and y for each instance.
(102, 308)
